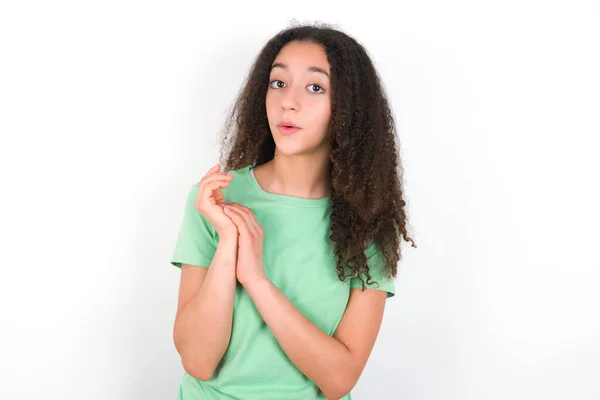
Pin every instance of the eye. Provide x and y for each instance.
(316, 86)
(275, 80)
(313, 85)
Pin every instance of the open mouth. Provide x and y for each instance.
(286, 129)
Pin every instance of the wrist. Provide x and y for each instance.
(258, 281)
(228, 244)
(226, 253)
(229, 237)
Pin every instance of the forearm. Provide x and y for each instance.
(203, 329)
(323, 359)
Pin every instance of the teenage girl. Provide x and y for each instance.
(288, 255)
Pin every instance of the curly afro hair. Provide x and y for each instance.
(366, 199)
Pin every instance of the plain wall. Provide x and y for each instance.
(111, 110)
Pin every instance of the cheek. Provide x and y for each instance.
(321, 113)
(269, 106)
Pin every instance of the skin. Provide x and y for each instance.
(301, 163)
(300, 168)
(334, 363)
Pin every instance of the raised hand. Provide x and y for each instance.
(210, 201)
(249, 268)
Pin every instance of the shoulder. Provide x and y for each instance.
(240, 171)
(240, 186)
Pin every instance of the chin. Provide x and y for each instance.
(296, 144)
(290, 149)
(295, 149)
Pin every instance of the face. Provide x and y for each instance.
(300, 92)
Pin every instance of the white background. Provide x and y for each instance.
(110, 110)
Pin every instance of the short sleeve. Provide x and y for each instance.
(196, 242)
(379, 280)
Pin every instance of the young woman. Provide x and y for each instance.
(287, 257)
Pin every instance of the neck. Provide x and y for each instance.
(302, 176)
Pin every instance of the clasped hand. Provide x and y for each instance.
(249, 267)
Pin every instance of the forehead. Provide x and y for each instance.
(301, 55)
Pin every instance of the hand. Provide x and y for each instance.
(249, 268)
(210, 201)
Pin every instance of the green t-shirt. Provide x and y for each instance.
(298, 258)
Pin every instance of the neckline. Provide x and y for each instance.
(299, 201)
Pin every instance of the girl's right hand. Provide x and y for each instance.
(210, 201)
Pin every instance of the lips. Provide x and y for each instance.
(287, 124)
(287, 131)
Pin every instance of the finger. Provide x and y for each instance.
(237, 218)
(248, 217)
(214, 168)
(217, 195)
(257, 227)
(211, 190)
(237, 208)
(214, 189)
(216, 175)
(246, 210)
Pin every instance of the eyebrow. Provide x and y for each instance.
(310, 69)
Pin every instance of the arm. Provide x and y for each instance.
(335, 363)
(202, 328)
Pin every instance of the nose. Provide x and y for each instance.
(290, 100)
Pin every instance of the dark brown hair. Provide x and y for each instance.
(366, 174)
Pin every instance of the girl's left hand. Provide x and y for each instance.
(249, 268)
